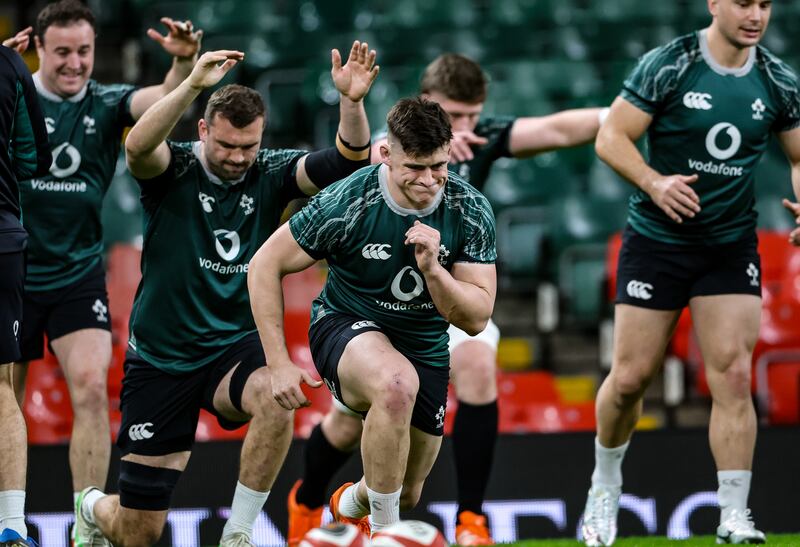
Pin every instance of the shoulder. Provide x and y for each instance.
(778, 72)
(462, 196)
(679, 52)
(13, 59)
(183, 156)
(277, 160)
(361, 183)
(109, 94)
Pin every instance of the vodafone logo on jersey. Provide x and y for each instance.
(233, 238)
(722, 142)
(732, 145)
(66, 160)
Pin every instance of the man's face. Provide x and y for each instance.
(463, 116)
(418, 179)
(66, 57)
(742, 22)
(230, 151)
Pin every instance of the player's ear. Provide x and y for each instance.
(385, 153)
(202, 129)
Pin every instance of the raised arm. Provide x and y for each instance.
(790, 140)
(465, 296)
(533, 135)
(280, 255)
(183, 43)
(616, 146)
(30, 148)
(352, 80)
(146, 149)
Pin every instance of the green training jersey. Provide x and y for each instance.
(495, 129)
(61, 211)
(711, 121)
(360, 229)
(199, 236)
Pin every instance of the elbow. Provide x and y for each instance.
(472, 325)
(603, 144)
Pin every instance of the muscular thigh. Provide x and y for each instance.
(641, 336)
(727, 327)
(236, 381)
(366, 364)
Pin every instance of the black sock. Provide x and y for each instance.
(474, 437)
(322, 461)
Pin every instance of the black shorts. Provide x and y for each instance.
(663, 276)
(58, 312)
(160, 410)
(328, 337)
(12, 288)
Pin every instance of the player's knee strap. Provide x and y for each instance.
(144, 487)
(238, 381)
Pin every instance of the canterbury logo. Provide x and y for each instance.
(640, 290)
(139, 432)
(378, 251)
(363, 324)
(697, 101)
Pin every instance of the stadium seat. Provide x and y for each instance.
(47, 407)
(781, 400)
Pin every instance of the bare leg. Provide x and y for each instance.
(85, 356)
(131, 527)
(727, 328)
(640, 340)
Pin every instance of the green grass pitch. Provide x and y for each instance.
(782, 540)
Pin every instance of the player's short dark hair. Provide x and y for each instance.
(457, 77)
(236, 103)
(421, 126)
(61, 14)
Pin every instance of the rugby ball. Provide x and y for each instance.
(409, 533)
(335, 535)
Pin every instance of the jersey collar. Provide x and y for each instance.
(197, 149)
(383, 181)
(743, 70)
(50, 96)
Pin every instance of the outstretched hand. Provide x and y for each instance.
(212, 67)
(181, 41)
(354, 79)
(461, 145)
(20, 40)
(794, 208)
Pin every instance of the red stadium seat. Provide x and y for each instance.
(48, 410)
(783, 381)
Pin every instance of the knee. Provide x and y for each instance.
(397, 392)
(89, 391)
(629, 383)
(342, 430)
(260, 386)
(735, 381)
(409, 497)
(475, 378)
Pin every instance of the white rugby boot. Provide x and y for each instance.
(739, 529)
(599, 526)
